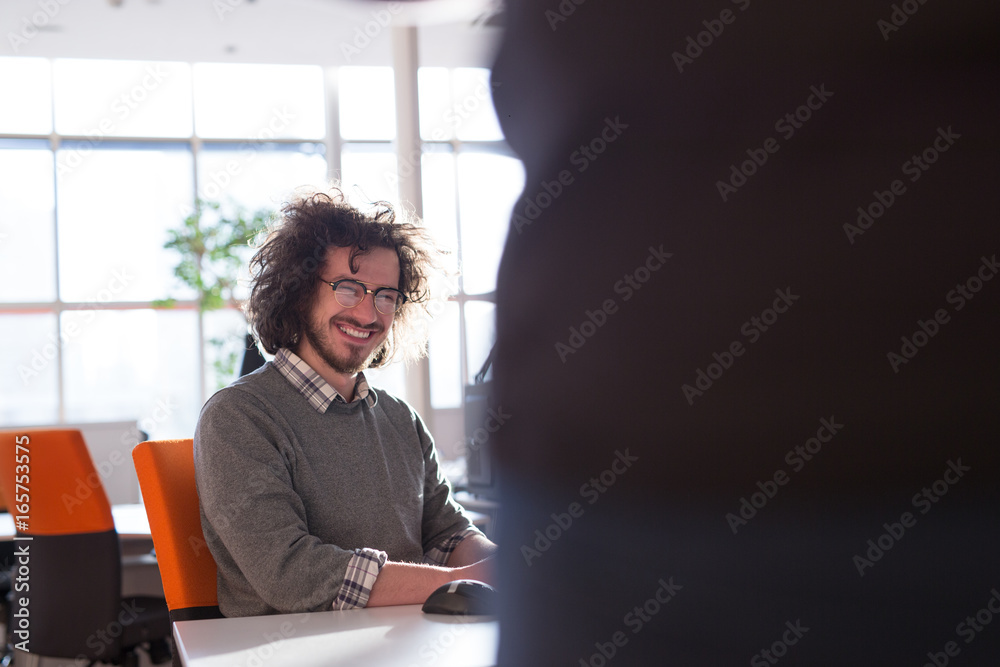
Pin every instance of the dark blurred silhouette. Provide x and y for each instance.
(630, 530)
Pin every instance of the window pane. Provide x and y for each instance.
(122, 98)
(259, 102)
(438, 176)
(225, 345)
(254, 179)
(27, 245)
(114, 209)
(488, 186)
(29, 392)
(434, 95)
(391, 378)
(367, 103)
(369, 174)
(261, 176)
(444, 359)
(29, 81)
(480, 334)
(473, 112)
(134, 364)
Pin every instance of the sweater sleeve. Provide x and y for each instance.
(253, 519)
(444, 519)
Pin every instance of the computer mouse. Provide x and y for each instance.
(465, 597)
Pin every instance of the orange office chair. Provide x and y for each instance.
(166, 477)
(71, 556)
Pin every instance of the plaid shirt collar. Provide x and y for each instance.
(315, 389)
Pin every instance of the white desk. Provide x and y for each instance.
(131, 522)
(379, 637)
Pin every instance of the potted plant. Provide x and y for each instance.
(214, 245)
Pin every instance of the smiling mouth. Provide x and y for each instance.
(355, 333)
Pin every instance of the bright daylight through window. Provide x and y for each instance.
(99, 159)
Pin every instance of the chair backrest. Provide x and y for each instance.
(166, 476)
(57, 498)
(54, 469)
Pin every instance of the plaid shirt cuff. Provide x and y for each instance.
(438, 554)
(362, 571)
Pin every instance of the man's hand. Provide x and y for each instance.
(410, 583)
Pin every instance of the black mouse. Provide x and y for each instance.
(465, 597)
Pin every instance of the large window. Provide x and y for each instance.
(98, 159)
(470, 183)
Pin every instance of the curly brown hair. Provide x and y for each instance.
(287, 264)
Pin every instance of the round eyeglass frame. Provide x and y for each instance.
(366, 291)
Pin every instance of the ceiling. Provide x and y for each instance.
(324, 32)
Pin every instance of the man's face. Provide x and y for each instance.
(346, 339)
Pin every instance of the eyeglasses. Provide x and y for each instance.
(350, 293)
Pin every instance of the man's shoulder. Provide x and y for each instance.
(395, 408)
(390, 402)
(257, 403)
(264, 386)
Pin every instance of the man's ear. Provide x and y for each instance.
(382, 355)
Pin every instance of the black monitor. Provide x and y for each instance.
(482, 421)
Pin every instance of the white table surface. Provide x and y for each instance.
(130, 522)
(400, 636)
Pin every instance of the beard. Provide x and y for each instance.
(354, 361)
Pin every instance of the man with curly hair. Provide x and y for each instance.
(318, 491)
